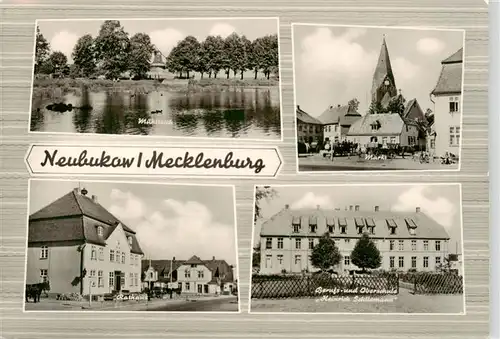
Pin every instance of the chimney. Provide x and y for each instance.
(331, 107)
(350, 208)
(173, 259)
(213, 258)
(76, 190)
(356, 208)
(317, 207)
(298, 106)
(376, 208)
(84, 191)
(417, 209)
(94, 198)
(338, 105)
(287, 206)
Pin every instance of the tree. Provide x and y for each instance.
(365, 254)
(234, 54)
(141, 50)
(184, 57)
(248, 58)
(42, 49)
(112, 49)
(256, 255)
(262, 192)
(325, 254)
(203, 61)
(396, 105)
(56, 62)
(267, 54)
(83, 56)
(213, 49)
(172, 62)
(353, 104)
(375, 108)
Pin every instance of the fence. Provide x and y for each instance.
(434, 283)
(289, 286)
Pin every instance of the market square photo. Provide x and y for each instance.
(335, 249)
(377, 98)
(199, 77)
(117, 246)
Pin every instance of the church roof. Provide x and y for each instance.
(450, 78)
(383, 69)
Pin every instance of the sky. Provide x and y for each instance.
(164, 33)
(439, 202)
(169, 220)
(335, 64)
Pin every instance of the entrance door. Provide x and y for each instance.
(206, 288)
(118, 280)
(200, 288)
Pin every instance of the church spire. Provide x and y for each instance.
(384, 84)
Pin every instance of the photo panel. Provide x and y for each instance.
(202, 78)
(377, 98)
(130, 247)
(335, 249)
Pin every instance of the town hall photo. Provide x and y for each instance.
(377, 98)
(120, 246)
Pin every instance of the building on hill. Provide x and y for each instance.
(383, 84)
(193, 276)
(406, 240)
(80, 247)
(447, 98)
(336, 122)
(384, 129)
(158, 67)
(309, 129)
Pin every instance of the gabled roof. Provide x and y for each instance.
(389, 124)
(450, 78)
(342, 115)
(194, 260)
(383, 69)
(281, 224)
(306, 118)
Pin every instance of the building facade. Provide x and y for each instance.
(80, 247)
(193, 276)
(336, 122)
(447, 98)
(406, 241)
(309, 129)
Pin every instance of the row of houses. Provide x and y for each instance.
(439, 132)
(80, 247)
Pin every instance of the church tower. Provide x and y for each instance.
(384, 86)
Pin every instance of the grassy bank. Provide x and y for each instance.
(46, 87)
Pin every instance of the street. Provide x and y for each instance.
(210, 305)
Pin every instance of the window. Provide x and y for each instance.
(297, 244)
(313, 228)
(393, 140)
(311, 244)
(193, 265)
(187, 274)
(438, 245)
(280, 259)
(426, 261)
(92, 273)
(413, 245)
(112, 280)
(44, 275)
(111, 255)
(413, 262)
(129, 240)
(454, 105)
(438, 262)
(268, 261)
(411, 139)
(392, 226)
(391, 245)
(101, 253)
(117, 257)
(123, 257)
(401, 245)
(454, 136)
(296, 228)
(384, 140)
(371, 229)
(122, 280)
(297, 259)
(44, 252)
(391, 262)
(413, 231)
(131, 279)
(347, 241)
(99, 231)
(426, 245)
(201, 274)
(330, 229)
(347, 260)
(187, 286)
(269, 243)
(343, 229)
(131, 259)
(100, 279)
(343, 225)
(93, 254)
(136, 279)
(433, 143)
(393, 230)
(401, 262)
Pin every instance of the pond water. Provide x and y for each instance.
(233, 113)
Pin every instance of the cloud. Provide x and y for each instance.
(404, 69)
(438, 208)
(166, 39)
(224, 30)
(177, 228)
(64, 42)
(311, 200)
(430, 46)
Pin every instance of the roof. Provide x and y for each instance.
(450, 78)
(306, 118)
(219, 268)
(342, 115)
(390, 124)
(281, 223)
(383, 69)
(75, 217)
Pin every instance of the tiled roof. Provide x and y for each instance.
(281, 224)
(306, 118)
(76, 218)
(194, 260)
(450, 79)
(342, 115)
(390, 124)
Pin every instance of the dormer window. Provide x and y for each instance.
(392, 226)
(360, 223)
(343, 225)
(313, 224)
(370, 225)
(296, 224)
(376, 125)
(100, 231)
(129, 238)
(330, 223)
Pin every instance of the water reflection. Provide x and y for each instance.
(235, 113)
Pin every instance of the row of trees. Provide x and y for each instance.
(112, 53)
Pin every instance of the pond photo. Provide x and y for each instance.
(208, 78)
